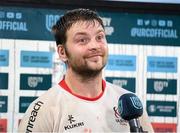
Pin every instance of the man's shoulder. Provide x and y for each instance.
(116, 88)
(50, 96)
(40, 111)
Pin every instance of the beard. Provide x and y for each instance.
(83, 67)
(87, 71)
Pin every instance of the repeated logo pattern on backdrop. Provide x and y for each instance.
(144, 59)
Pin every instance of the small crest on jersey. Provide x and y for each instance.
(118, 118)
(136, 102)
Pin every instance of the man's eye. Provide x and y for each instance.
(82, 40)
(100, 37)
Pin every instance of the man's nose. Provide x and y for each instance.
(93, 44)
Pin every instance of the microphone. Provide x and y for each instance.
(130, 108)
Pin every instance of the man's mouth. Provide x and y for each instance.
(94, 58)
(94, 55)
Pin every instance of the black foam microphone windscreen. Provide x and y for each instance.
(130, 106)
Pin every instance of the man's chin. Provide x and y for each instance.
(95, 68)
(89, 72)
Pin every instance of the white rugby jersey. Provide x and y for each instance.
(59, 110)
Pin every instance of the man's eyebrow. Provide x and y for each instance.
(100, 31)
(81, 33)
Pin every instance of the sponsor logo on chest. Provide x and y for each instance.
(72, 123)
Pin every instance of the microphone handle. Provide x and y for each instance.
(135, 126)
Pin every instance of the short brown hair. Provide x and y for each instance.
(65, 22)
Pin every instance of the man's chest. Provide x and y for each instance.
(86, 117)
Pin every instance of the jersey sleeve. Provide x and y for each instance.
(145, 123)
(38, 118)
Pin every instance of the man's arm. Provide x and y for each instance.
(145, 123)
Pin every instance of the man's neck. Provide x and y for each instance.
(90, 87)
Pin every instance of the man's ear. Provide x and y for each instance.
(62, 53)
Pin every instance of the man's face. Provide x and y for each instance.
(86, 47)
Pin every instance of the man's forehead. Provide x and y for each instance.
(84, 28)
(86, 24)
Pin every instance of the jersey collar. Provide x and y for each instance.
(63, 84)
